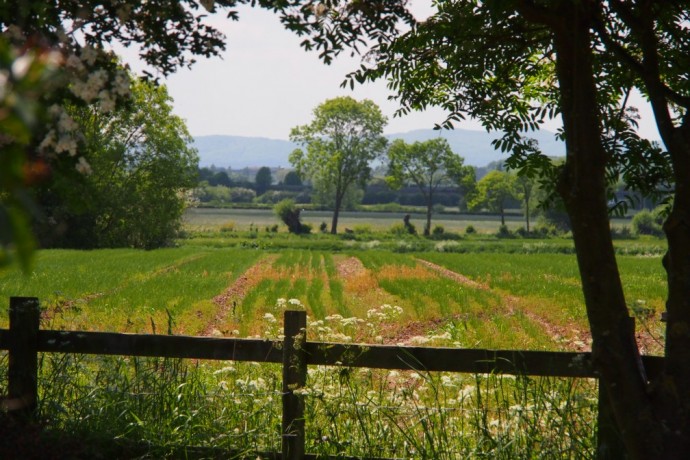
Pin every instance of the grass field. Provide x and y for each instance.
(485, 293)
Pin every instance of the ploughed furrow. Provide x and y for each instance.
(570, 336)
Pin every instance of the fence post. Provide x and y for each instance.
(294, 377)
(22, 372)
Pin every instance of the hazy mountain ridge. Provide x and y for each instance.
(240, 152)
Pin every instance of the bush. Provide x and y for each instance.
(323, 228)
(228, 227)
(470, 230)
(275, 196)
(646, 223)
(399, 230)
(504, 232)
(242, 195)
(363, 229)
(438, 230)
(621, 233)
(409, 227)
(289, 214)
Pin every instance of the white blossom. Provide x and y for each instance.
(66, 123)
(69, 145)
(83, 166)
(106, 102)
(89, 55)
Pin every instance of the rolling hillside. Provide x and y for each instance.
(240, 152)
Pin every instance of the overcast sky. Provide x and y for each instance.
(265, 84)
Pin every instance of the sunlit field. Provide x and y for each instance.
(475, 291)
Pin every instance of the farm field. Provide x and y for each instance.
(514, 295)
(211, 218)
(475, 300)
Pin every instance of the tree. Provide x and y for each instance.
(263, 180)
(60, 49)
(292, 179)
(525, 189)
(286, 211)
(513, 65)
(493, 192)
(220, 178)
(341, 141)
(140, 163)
(427, 164)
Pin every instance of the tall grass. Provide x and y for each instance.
(169, 408)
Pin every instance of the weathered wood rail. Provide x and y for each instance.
(24, 340)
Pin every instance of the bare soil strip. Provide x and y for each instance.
(233, 295)
(571, 337)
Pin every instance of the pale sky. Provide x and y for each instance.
(266, 84)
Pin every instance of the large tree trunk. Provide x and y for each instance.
(671, 389)
(674, 386)
(583, 189)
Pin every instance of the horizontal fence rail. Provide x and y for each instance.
(24, 340)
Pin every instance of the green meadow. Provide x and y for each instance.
(470, 291)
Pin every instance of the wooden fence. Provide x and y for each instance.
(24, 340)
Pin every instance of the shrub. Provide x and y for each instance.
(621, 233)
(504, 232)
(645, 223)
(242, 195)
(323, 228)
(228, 227)
(438, 230)
(289, 214)
(363, 229)
(399, 230)
(438, 208)
(470, 230)
(275, 196)
(411, 229)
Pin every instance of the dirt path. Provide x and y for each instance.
(232, 297)
(573, 338)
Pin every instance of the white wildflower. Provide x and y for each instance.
(225, 370)
(419, 340)
(268, 317)
(446, 381)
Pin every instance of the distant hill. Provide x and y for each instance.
(240, 152)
